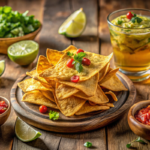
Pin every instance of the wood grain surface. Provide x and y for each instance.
(96, 39)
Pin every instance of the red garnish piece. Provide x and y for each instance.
(3, 103)
(69, 63)
(129, 15)
(80, 50)
(86, 61)
(75, 78)
(43, 109)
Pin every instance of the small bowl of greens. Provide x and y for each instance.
(15, 26)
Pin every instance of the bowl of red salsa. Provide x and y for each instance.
(4, 109)
(139, 119)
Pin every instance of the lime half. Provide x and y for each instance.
(74, 25)
(23, 52)
(24, 132)
(2, 67)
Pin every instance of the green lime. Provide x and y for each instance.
(23, 52)
(74, 25)
(24, 132)
(2, 67)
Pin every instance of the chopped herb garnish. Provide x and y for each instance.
(69, 54)
(53, 115)
(78, 57)
(136, 19)
(136, 140)
(78, 66)
(119, 22)
(88, 144)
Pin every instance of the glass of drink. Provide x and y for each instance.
(130, 39)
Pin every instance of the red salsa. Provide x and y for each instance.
(3, 106)
(143, 115)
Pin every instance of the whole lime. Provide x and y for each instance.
(23, 52)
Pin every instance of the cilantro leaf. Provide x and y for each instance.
(78, 67)
(88, 144)
(53, 115)
(78, 57)
(119, 22)
(69, 54)
(139, 140)
(128, 145)
(136, 19)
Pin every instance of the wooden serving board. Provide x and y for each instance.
(30, 112)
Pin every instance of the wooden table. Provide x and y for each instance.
(95, 39)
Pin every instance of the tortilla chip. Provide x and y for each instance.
(64, 91)
(86, 108)
(111, 82)
(85, 86)
(70, 105)
(69, 48)
(106, 104)
(62, 72)
(33, 74)
(54, 56)
(42, 64)
(36, 97)
(103, 72)
(49, 95)
(98, 98)
(113, 95)
(31, 85)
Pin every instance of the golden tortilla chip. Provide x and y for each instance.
(64, 91)
(111, 82)
(42, 64)
(49, 95)
(86, 108)
(31, 85)
(33, 74)
(62, 72)
(54, 56)
(36, 97)
(113, 95)
(85, 86)
(103, 72)
(106, 104)
(69, 48)
(70, 105)
(98, 98)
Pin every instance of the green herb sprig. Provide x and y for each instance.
(135, 18)
(77, 60)
(136, 140)
(53, 115)
(119, 22)
(88, 144)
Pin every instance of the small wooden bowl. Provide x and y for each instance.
(137, 127)
(5, 115)
(6, 42)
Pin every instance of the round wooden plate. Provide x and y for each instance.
(30, 113)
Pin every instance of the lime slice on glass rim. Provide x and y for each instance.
(23, 52)
(24, 132)
(2, 67)
(74, 25)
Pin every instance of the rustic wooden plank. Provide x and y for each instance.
(55, 12)
(12, 72)
(89, 39)
(119, 133)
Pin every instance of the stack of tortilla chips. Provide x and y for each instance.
(50, 83)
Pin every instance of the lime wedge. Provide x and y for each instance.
(23, 52)
(24, 132)
(2, 67)
(74, 25)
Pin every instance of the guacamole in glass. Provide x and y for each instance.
(130, 38)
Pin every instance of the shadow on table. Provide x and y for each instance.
(38, 143)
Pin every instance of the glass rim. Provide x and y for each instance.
(109, 22)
